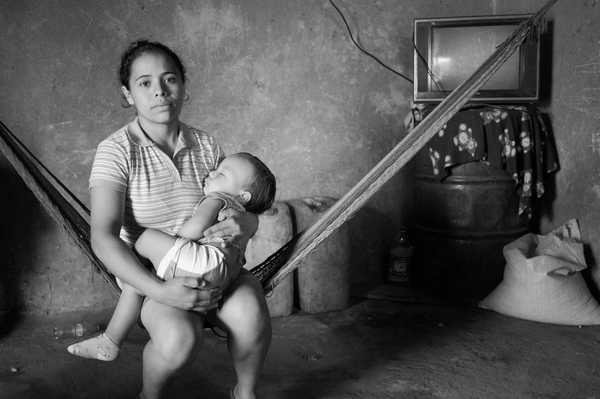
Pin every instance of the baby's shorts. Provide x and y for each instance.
(189, 259)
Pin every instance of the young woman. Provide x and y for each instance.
(149, 174)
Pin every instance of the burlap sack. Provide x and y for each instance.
(542, 280)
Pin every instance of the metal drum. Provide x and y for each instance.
(461, 224)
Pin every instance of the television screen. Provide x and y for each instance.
(456, 52)
(449, 50)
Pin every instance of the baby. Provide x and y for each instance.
(242, 182)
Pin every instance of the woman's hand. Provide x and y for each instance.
(189, 293)
(234, 228)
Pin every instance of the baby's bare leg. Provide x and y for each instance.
(106, 345)
(154, 245)
(125, 315)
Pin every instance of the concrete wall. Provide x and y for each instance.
(574, 108)
(276, 78)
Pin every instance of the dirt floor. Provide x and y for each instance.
(374, 349)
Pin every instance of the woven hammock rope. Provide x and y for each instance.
(74, 216)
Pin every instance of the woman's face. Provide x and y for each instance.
(156, 88)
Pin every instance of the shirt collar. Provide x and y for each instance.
(186, 138)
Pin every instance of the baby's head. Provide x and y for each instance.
(246, 177)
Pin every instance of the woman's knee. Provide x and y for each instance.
(176, 346)
(245, 312)
(174, 337)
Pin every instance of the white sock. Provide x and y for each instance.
(100, 347)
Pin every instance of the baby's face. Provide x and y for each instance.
(233, 175)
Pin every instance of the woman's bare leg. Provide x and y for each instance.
(245, 317)
(175, 335)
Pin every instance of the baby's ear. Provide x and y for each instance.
(245, 196)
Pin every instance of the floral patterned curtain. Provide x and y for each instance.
(511, 138)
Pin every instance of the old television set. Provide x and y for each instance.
(448, 50)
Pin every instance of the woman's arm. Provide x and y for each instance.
(106, 220)
(107, 213)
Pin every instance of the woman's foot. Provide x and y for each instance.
(100, 347)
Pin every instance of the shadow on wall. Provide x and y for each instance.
(543, 207)
(371, 234)
(546, 44)
(23, 223)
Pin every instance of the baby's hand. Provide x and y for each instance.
(227, 227)
(235, 230)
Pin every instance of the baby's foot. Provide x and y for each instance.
(100, 347)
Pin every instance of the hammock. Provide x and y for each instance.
(74, 216)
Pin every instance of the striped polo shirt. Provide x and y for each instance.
(160, 192)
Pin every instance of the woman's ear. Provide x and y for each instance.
(127, 95)
(245, 196)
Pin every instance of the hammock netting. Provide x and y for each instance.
(74, 217)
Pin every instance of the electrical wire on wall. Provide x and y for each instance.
(432, 76)
(361, 48)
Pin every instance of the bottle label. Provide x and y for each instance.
(398, 269)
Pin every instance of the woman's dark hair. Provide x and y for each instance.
(140, 47)
(262, 189)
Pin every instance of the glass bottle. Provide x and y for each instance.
(77, 330)
(400, 258)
